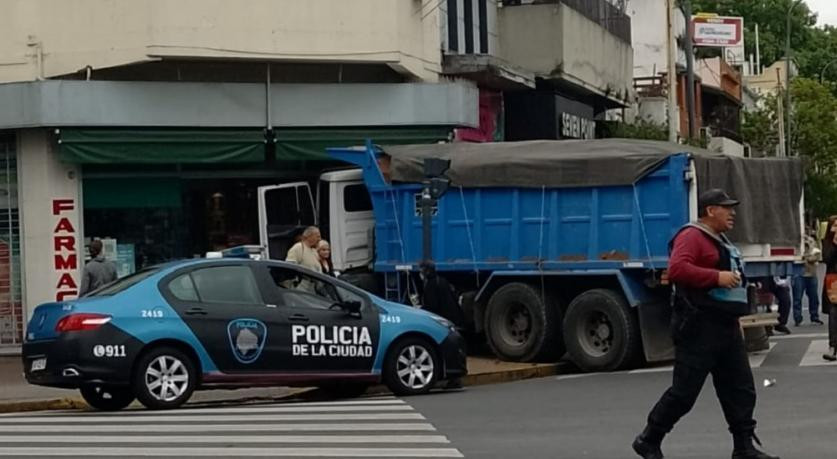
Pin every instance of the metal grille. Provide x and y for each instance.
(11, 309)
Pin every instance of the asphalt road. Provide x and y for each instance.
(597, 416)
(569, 416)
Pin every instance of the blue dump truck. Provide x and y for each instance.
(553, 247)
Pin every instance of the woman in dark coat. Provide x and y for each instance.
(829, 257)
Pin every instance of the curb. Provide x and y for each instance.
(496, 377)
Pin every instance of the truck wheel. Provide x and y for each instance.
(411, 367)
(164, 378)
(107, 398)
(519, 327)
(601, 331)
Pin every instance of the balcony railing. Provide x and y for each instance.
(603, 12)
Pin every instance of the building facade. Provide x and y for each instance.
(151, 124)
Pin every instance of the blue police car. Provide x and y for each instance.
(163, 332)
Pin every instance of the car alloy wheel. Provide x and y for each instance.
(166, 378)
(415, 367)
(411, 366)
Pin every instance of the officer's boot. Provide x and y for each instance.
(744, 449)
(647, 444)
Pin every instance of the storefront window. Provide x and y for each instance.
(11, 293)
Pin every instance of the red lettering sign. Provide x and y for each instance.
(64, 242)
(64, 294)
(64, 225)
(66, 280)
(68, 262)
(61, 205)
(65, 258)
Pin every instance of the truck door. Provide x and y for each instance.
(284, 212)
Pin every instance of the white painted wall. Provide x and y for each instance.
(57, 37)
(649, 35)
(42, 180)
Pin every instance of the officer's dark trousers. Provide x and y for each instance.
(716, 348)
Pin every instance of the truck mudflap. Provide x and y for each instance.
(655, 328)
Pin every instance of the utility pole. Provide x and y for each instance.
(779, 115)
(788, 63)
(686, 7)
(672, 74)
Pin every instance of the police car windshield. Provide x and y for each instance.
(124, 283)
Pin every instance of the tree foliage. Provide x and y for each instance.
(813, 138)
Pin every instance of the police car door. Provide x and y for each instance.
(224, 307)
(321, 335)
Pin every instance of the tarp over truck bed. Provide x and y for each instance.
(770, 189)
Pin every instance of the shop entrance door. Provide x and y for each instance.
(284, 212)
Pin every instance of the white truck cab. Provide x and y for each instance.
(341, 209)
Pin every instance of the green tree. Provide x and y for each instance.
(814, 139)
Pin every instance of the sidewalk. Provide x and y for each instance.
(18, 395)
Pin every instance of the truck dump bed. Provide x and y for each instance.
(558, 205)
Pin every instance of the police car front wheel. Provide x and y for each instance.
(411, 367)
(164, 378)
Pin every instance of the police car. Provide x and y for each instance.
(163, 332)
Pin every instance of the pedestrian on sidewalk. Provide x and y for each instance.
(807, 284)
(708, 297)
(324, 254)
(780, 288)
(98, 272)
(304, 252)
(829, 257)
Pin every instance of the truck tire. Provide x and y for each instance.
(601, 331)
(521, 325)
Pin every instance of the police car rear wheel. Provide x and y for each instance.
(411, 367)
(107, 398)
(165, 378)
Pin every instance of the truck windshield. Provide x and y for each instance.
(124, 283)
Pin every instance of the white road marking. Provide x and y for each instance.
(799, 336)
(232, 452)
(231, 439)
(198, 428)
(221, 418)
(265, 410)
(757, 358)
(813, 356)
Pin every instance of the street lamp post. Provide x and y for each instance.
(788, 61)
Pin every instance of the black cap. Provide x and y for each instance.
(715, 197)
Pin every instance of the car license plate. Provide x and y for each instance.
(38, 364)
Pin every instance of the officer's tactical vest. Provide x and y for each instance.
(732, 301)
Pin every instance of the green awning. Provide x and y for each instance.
(311, 143)
(131, 193)
(161, 146)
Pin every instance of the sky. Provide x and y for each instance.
(826, 9)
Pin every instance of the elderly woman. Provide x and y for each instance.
(324, 254)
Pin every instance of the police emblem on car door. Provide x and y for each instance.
(247, 338)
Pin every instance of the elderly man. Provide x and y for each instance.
(304, 252)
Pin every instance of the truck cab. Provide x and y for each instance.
(341, 208)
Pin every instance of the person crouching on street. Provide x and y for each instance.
(708, 297)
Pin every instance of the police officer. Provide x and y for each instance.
(708, 297)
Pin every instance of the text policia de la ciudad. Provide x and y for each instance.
(334, 341)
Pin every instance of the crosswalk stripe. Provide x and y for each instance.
(232, 439)
(257, 411)
(799, 336)
(219, 418)
(198, 428)
(813, 356)
(233, 452)
(756, 360)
